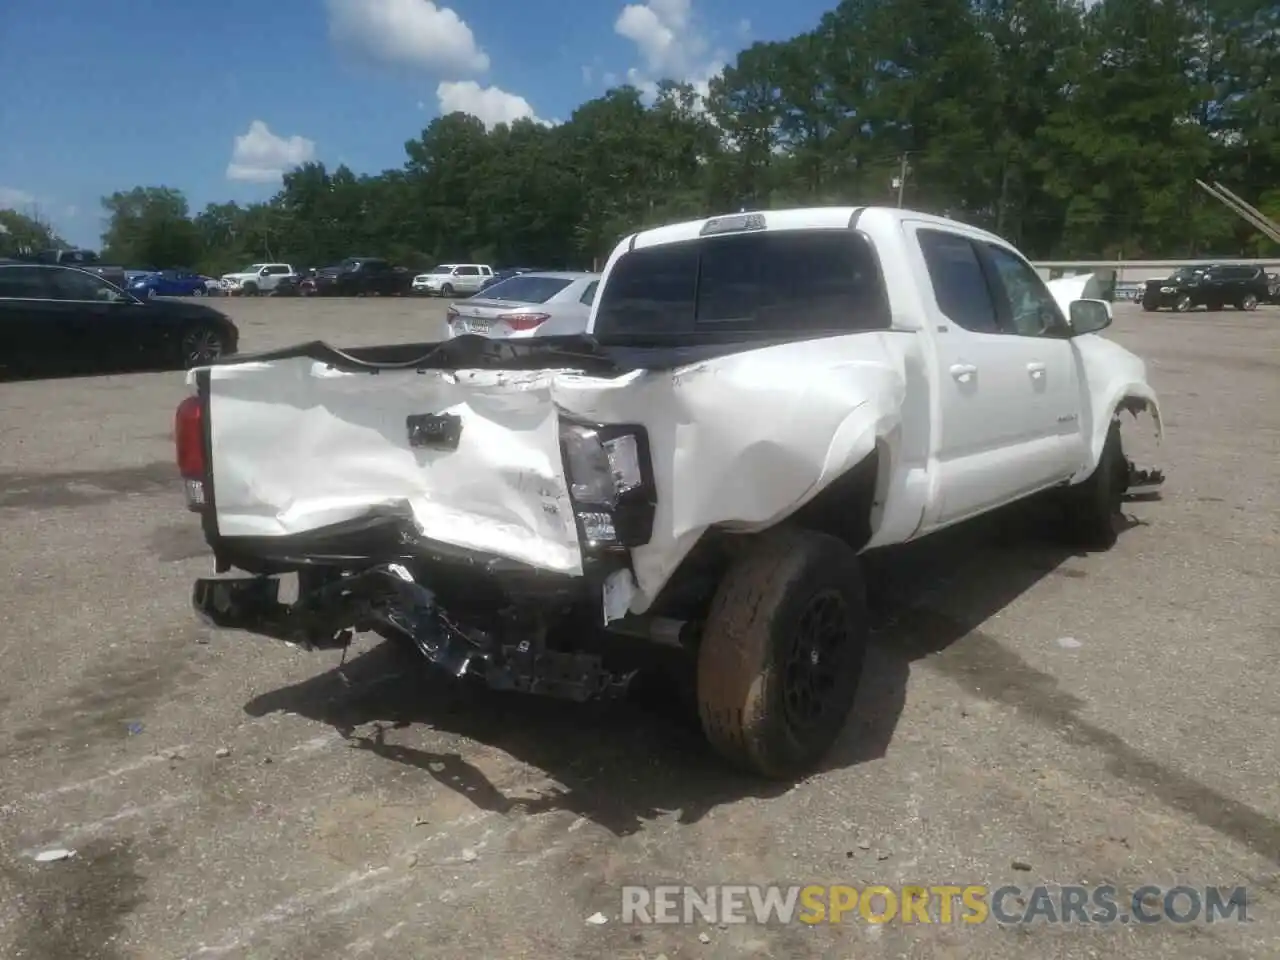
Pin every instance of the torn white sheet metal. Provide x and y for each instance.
(297, 446)
(1083, 286)
(738, 440)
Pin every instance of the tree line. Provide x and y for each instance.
(1073, 129)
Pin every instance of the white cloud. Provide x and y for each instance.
(671, 43)
(259, 156)
(491, 105)
(12, 198)
(415, 33)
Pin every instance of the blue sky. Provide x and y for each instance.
(216, 98)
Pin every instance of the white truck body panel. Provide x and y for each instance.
(964, 422)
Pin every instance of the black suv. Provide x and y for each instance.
(1215, 286)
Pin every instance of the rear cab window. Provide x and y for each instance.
(767, 284)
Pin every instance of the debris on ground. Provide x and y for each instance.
(1021, 865)
(1069, 643)
(597, 919)
(57, 853)
(134, 728)
(173, 755)
(469, 855)
(222, 753)
(704, 938)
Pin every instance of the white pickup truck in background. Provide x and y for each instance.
(255, 279)
(759, 399)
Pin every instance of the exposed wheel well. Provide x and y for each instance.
(846, 509)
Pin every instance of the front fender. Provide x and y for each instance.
(1115, 381)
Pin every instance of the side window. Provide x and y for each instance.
(276, 269)
(589, 295)
(468, 272)
(1033, 311)
(959, 284)
(23, 283)
(75, 285)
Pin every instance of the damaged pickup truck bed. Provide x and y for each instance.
(758, 400)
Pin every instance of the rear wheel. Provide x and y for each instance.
(1250, 302)
(446, 290)
(201, 344)
(782, 651)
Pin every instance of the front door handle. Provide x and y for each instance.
(963, 371)
(1035, 369)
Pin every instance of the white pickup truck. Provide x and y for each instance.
(759, 399)
(256, 278)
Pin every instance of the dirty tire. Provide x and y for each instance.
(783, 580)
(1092, 508)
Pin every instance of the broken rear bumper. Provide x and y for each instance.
(466, 613)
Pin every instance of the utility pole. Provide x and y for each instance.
(900, 181)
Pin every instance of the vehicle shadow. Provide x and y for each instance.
(624, 764)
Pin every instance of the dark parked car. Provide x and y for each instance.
(363, 276)
(1221, 284)
(64, 317)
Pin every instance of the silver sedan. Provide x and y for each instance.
(539, 304)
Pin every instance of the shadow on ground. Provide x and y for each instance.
(628, 763)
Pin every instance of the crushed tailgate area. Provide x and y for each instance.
(1027, 717)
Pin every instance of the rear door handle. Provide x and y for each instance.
(1035, 369)
(963, 371)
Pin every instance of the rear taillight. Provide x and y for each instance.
(523, 321)
(188, 439)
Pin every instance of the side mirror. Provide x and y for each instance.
(263, 272)
(1089, 316)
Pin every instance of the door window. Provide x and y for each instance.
(1032, 308)
(76, 285)
(959, 284)
(468, 272)
(23, 283)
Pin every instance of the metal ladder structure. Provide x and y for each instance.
(1251, 215)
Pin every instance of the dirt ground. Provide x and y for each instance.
(1029, 717)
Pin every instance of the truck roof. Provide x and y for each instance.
(797, 218)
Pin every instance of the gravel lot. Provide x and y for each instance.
(393, 817)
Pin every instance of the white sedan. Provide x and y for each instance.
(529, 305)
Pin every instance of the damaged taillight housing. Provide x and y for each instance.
(188, 439)
(610, 478)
